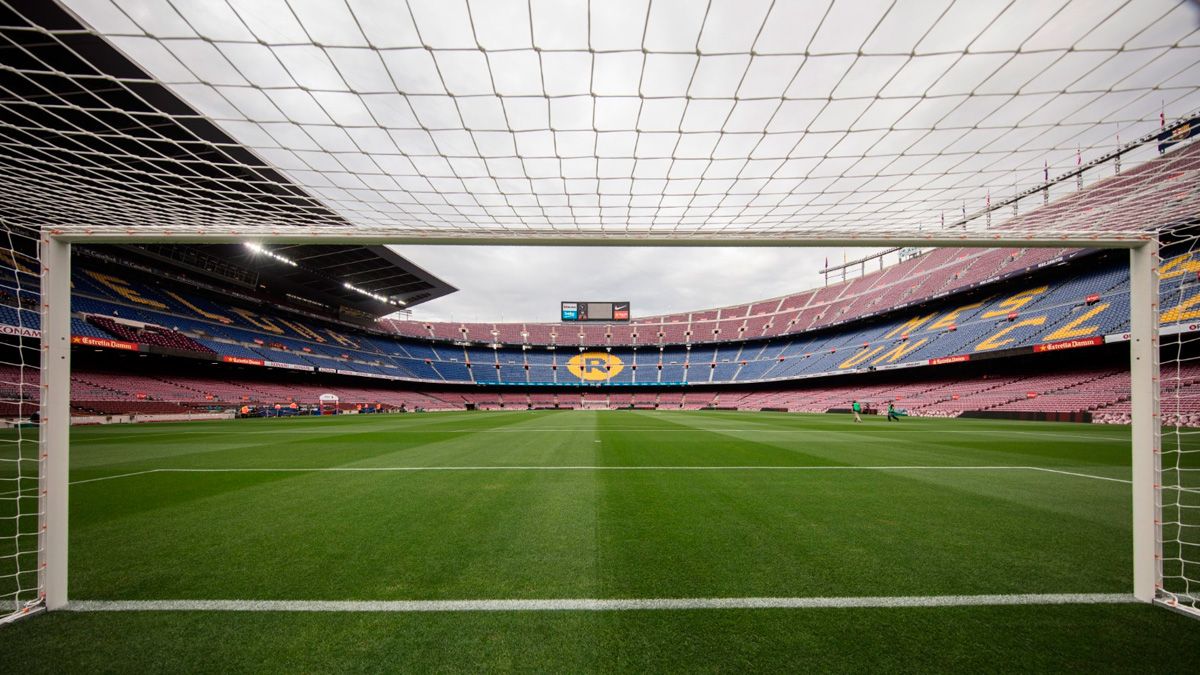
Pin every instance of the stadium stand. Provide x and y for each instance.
(1103, 393)
(934, 273)
(148, 334)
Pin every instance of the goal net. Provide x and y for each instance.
(20, 462)
(1178, 482)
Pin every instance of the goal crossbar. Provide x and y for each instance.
(326, 235)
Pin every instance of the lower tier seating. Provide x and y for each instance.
(1103, 392)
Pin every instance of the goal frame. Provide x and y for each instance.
(55, 259)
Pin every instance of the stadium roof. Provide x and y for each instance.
(56, 141)
(380, 281)
(372, 268)
(625, 119)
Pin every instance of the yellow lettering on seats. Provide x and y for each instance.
(121, 288)
(262, 322)
(341, 339)
(303, 330)
(197, 310)
(1183, 311)
(899, 351)
(909, 326)
(1016, 302)
(952, 316)
(860, 357)
(1074, 330)
(994, 342)
(1178, 265)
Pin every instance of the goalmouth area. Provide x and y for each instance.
(697, 540)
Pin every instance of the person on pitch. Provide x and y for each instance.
(892, 412)
(856, 408)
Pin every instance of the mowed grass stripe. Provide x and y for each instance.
(1027, 638)
(611, 535)
(319, 444)
(549, 534)
(827, 437)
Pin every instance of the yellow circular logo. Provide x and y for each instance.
(595, 366)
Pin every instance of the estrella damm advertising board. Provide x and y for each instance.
(595, 366)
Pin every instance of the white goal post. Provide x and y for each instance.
(1146, 426)
(55, 252)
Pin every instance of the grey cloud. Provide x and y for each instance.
(514, 283)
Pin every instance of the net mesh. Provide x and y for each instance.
(509, 117)
(1178, 490)
(20, 461)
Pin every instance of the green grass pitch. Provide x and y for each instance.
(606, 505)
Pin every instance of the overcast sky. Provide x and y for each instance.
(512, 283)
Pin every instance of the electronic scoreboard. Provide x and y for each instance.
(595, 311)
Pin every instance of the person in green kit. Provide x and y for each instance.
(856, 407)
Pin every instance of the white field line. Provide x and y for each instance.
(1081, 475)
(422, 469)
(26, 491)
(559, 430)
(1177, 488)
(120, 475)
(596, 604)
(577, 467)
(87, 480)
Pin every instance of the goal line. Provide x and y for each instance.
(597, 604)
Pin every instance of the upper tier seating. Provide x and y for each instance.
(937, 272)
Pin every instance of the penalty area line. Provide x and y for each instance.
(596, 604)
(432, 469)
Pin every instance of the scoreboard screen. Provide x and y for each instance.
(595, 311)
